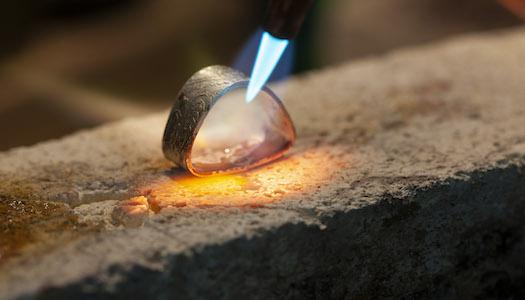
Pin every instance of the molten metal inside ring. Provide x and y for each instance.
(213, 130)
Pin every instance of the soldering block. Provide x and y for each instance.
(407, 181)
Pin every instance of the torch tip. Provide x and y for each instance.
(252, 91)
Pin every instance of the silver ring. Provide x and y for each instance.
(206, 132)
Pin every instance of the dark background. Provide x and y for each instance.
(72, 64)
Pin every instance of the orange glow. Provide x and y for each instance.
(212, 185)
(287, 178)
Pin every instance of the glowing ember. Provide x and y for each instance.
(236, 135)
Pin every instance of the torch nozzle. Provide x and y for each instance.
(270, 51)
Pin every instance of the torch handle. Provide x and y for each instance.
(285, 17)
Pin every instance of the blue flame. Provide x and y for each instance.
(245, 59)
(270, 51)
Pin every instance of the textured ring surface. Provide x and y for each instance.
(196, 98)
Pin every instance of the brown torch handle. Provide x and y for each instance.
(285, 17)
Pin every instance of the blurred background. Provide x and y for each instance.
(72, 64)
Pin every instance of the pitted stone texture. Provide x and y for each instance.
(419, 191)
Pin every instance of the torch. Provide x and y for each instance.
(282, 23)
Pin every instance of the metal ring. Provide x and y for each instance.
(193, 103)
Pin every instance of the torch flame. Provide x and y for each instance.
(270, 51)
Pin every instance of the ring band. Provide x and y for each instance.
(195, 100)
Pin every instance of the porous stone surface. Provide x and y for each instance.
(407, 180)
